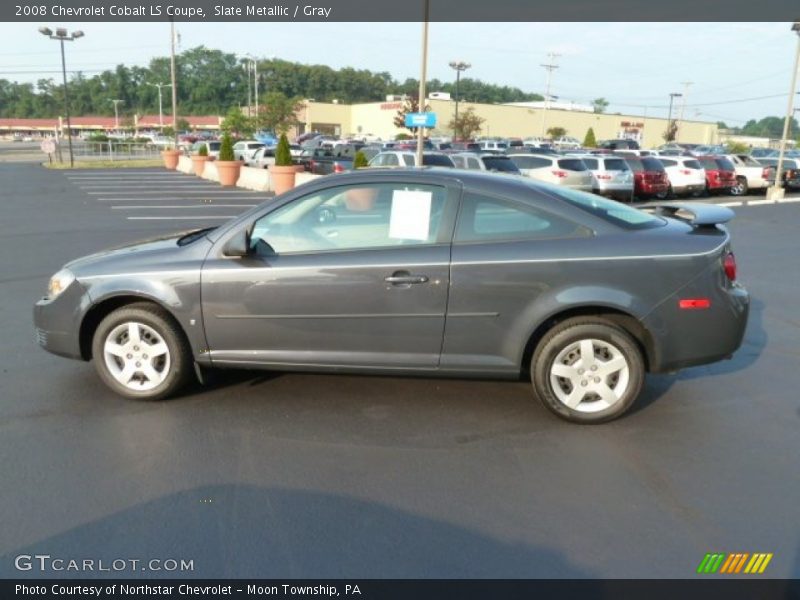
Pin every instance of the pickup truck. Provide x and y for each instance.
(750, 174)
(324, 161)
(790, 175)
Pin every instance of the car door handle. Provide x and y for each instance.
(405, 278)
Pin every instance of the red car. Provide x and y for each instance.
(649, 177)
(720, 174)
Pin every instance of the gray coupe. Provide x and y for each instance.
(414, 271)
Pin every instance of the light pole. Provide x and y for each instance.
(549, 67)
(251, 61)
(459, 66)
(672, 97)
(160, 110)
(422, 78)
(174, 83)
(776, 190)
(62, 36)
(116, 114)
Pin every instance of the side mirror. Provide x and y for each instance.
(238, 245)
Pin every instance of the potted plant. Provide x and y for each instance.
(170, 156)
(227, 165)
(283, 172)
(199, 160)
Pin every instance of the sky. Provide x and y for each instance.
(739, 71)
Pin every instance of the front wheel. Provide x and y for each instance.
(587, 370)
(141, 353)
(740, 188)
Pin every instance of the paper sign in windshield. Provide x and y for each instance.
(411, 215)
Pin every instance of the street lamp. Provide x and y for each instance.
(776, 190)
(62, 36)
(116, 114)
(252, 61)
(459, 66)
(672, 97)
(160, 110)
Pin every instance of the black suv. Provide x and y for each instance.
(619, 145)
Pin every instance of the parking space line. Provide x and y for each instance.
(731, 203)
(178, 218)
(788, 200)
(759, 202)
(184, 206)
(150, 193)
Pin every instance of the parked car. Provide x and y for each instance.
(325, 161)
(567, 171)
(465, 146)
(261, 158)
(537, 142)
(566, 143)
(483, 161)
(405, 158)
(244, 149)
(790, 175)
(439, 272)
(621, 144)
(750, 174)
(649, 177)
(685, 174)
(494, 146)
(211, 146)
(759, 153)
(720, 174)
(706, 150)
(611, 176)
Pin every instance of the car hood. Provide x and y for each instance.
(151, 250)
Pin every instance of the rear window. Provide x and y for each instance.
(635, 164)
(616, 164)
(437, 160)
(591, 163)
(611, 211)
(709, 163)
(692, 164)
(531, 162)
(572, 164)
(500, 163)
(668, 163)
(725, 164)
(652, 164)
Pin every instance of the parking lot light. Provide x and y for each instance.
(62, 36)
(776, 191)
(459, 66)
(672, 97)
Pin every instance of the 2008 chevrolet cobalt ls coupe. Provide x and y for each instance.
(414, 271)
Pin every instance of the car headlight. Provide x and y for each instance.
(59, 282)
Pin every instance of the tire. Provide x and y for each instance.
(741, 188)
(154, 368)
(609, 393)
(665, 194)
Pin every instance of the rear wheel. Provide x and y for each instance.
(140, 352)
(740, 188)
(665, 194)
(587, 370)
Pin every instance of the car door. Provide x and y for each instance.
(351, 275)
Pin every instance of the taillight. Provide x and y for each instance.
(312, 165)
(560, 173)
(338, 168)
(685, 172)
(729, 265)
(765, 173)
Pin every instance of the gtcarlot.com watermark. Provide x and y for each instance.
(45, 563)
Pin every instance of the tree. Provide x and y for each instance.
(410, 105)
(467, 125)
(600, 105)
(183, 124)
(283, 156)
(360, 160)
(278, 113)
(226, 147)
(590, 141)
(238, 123)
(671, 132)
(737, 148)
(556, 132)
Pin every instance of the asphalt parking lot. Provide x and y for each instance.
(295, 475)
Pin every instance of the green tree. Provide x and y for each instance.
(360, 160)
(736, 148)
(590, 141)
(467, 124)
(226, 147)
(278, 113)
(600, 105)
(556, 132)
(236, 122)
(283, 156)
(671, 133)
(183, 124)
(410, 105)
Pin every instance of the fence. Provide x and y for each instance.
(112, 150)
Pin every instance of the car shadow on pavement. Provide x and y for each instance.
(238, 530)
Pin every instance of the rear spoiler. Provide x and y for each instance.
(699, 215)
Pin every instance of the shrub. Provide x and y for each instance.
(590, 141)
(226, 147)
(203, 151)
(403, 136)
(360, 161)
(283, 157)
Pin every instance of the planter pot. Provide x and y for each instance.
(199, 163)
(282, 178)
(228, 171)
(360, 199)
(171, 158)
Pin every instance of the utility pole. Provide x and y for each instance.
(672, 97)
(549, 67)
(685, 85)
(160, 109)
(174, 83)
(776, 191)
(423, 76)
(116, 114)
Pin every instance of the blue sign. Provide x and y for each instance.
(426, 119)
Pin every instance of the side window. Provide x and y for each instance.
(458, 161)
(488, 219)
(382, 215)
(390, 160)
(472, 163)
(408, 160)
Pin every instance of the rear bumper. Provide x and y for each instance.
(652, 188)
(687, 338)
(688, 188)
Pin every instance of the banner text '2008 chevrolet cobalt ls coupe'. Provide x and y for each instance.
(415, 271)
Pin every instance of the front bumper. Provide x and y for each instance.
(57, 321)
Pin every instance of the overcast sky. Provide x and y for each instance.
(634, 65)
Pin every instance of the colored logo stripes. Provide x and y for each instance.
(735, 562)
